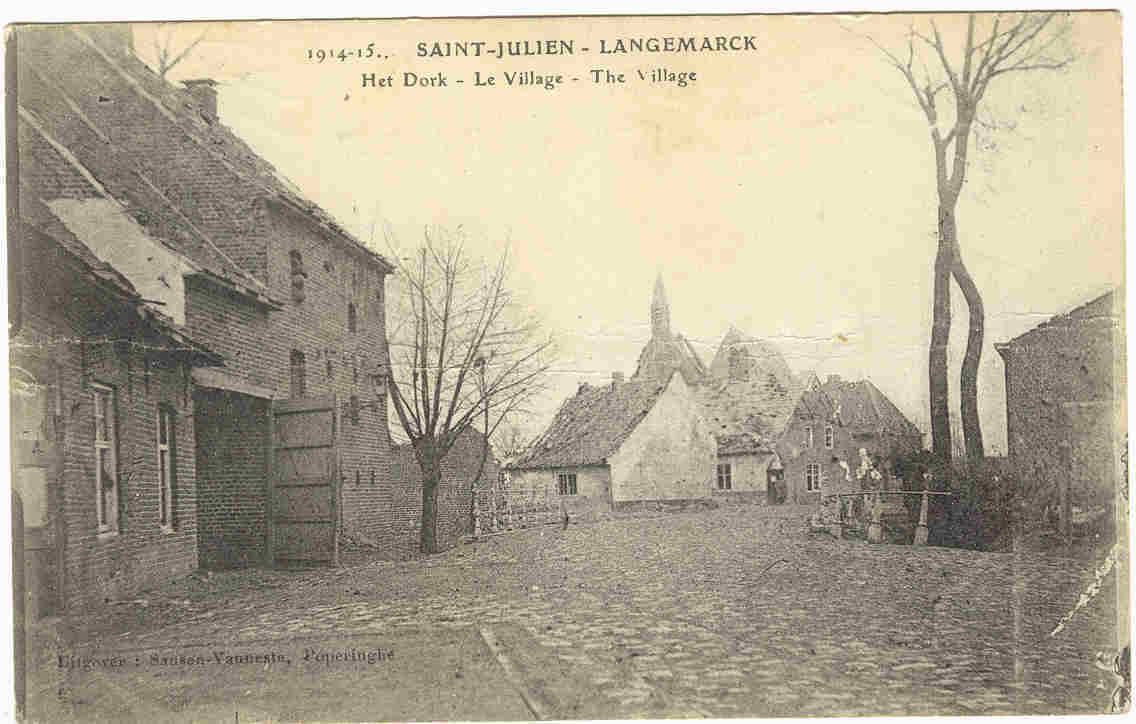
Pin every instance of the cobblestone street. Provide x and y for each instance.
(732, 612)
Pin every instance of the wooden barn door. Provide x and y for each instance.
(303, 496)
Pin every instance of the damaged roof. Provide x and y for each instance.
(662, 356)
(57, 199)
(591, 425)
(750, 395)
(177, 170)
(855, 404)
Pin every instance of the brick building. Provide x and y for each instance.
(838, 433)
(102, 401)
(1066, 411)
(291, 301)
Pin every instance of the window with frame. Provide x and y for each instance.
(106, 460)
(297, 366)
(566, 483)
(829, 437)
(351, 317)
(167, 467)
(812, 477)
(725, 477)
(808, 436)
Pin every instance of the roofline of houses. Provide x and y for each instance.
(256, 292)
(132, 301)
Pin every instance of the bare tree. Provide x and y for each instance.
(165, 54)
(1014, 43)
(462, 352)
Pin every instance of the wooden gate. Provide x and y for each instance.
(303, 495)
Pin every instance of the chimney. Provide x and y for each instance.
(617, 378)
(205, 91)
(833, 379)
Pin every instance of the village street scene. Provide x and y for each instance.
(336, 394)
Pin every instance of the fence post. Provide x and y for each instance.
(876, 528)
(921, 529)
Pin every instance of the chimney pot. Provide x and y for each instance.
(205, 91)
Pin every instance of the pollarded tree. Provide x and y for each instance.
(994, 46)
(463, 353)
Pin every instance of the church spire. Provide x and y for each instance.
(660, 311)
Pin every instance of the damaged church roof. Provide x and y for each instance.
(750, 395)
(855, 404)
(591, 425)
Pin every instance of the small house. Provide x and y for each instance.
(839, 433)
(622, 443)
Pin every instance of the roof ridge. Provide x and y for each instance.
(133, 83)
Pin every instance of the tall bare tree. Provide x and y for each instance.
(995, 45)
(463, 352)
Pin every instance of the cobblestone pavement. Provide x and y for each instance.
(722, 613)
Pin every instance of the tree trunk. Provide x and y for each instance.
(431, 476)
(968, 383)
(940, 336)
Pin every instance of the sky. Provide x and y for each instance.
(788, 191)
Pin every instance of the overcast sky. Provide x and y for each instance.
(789, 191)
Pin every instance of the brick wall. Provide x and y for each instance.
(338, 361)
(258, 346)
(796, 454)
(1079, 361)
(232, 449)
(88, 567)
(459, 468)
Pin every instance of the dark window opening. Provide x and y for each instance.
(566, 483)
(725, 477)
(351, 317)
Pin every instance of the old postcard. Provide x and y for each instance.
(568, 368)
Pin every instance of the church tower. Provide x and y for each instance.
(660, 311)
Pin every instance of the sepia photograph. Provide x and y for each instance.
(568, 367)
